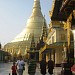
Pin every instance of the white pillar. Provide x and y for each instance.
(74, 42)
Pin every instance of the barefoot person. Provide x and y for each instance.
(43, 66)
(50, 67)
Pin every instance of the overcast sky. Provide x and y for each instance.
(14, 15)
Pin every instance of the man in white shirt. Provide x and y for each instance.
(20, 65)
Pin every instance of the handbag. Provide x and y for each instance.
(23, 68)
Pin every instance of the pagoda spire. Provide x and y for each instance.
(26, 50)
(44, 30)
(44, 33)
(19, 52)
(36, 11)
(32, 47)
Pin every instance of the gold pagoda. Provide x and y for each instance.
(33, 26)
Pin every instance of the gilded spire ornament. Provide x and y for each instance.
(19, 52)
(26, 55)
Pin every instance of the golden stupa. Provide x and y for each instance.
(33, 26)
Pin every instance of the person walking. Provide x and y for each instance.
(20, 65)
(50, 67)
(32, 66)
(14, 69)
(43, 67)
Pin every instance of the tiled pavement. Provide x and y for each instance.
(5, 69)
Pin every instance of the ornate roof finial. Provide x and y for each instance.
(19, 52)
(0, 45)
(44, 15)
(32, 43)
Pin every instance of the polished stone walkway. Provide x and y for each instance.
(5, 69)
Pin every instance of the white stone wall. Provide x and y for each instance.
(61, 35)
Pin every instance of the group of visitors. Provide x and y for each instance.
(44, 65)
(19, 66)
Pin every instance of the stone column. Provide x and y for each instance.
(58, 56)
